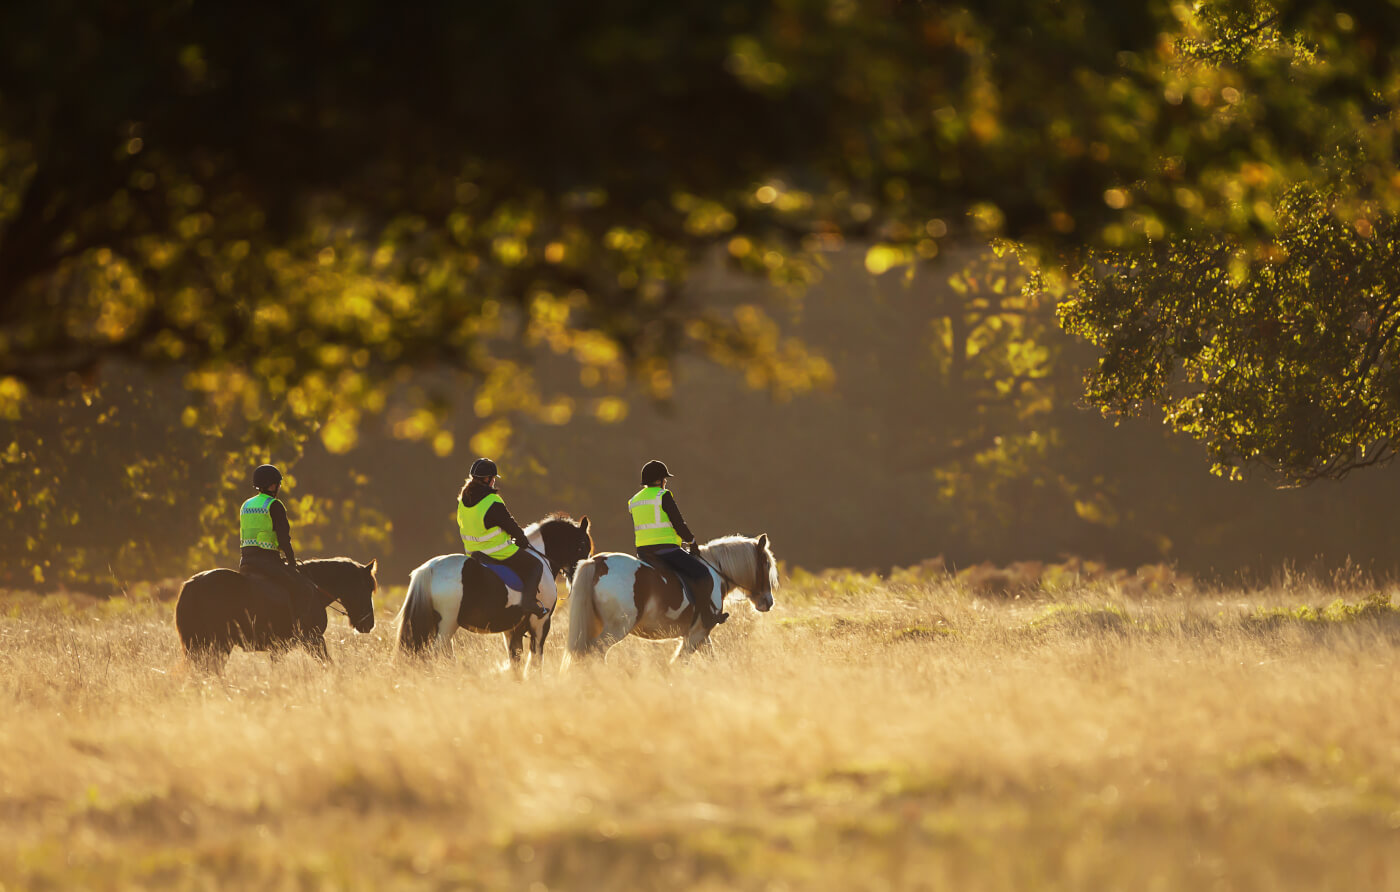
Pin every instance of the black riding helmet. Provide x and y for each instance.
(266, 477)
(654, 470)
(483, 468)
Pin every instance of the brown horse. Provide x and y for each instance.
(218, 609)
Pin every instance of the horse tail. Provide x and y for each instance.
(582, 609)
(418, 621)
(184, 620)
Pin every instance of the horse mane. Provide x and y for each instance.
(342, 568)
(737, 559)
(550, 518)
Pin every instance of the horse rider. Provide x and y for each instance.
(265, 540)
(489, 533)
(661, 530)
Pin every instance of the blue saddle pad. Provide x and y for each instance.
(506, 575)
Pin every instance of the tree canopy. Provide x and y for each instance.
(338, 189)
(293, 205)
(1284, 355)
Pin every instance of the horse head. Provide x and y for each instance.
(351, 583)
(360, 605)
(746, 564)
(761, 596)
(565, 542)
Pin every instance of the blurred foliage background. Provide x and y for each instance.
(845, 262)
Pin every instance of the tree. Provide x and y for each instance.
(1283, 354)
(326, 192)
(294, 205)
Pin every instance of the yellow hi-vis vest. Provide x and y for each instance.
(650, 523)
(477, 536)
(255, 523)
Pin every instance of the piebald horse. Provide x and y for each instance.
(450, 592)
(616, 595)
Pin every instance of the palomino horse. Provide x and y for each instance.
(615, 595)
(218, 609)
(450, 591)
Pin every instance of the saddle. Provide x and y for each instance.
(666, 571)
(273, 588)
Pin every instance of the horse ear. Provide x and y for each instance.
(763, 540)
(583, 524)
(372, 565)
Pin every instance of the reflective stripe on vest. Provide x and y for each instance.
(477, 536)
(255, 523)
(650, 523)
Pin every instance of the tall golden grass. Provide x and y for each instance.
(866, 734)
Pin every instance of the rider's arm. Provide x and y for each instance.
(668, 504)
(499, 516)
(278, 513)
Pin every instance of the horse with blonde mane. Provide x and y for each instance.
(616, 595)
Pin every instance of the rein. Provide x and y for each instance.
(722, 575)
(333, 602)
(330, 598)
(549, 562)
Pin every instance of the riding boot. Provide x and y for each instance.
(531, 573)
(706, 608)
(530, 604)
(306, 598)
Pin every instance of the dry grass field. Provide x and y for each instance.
(920, 732)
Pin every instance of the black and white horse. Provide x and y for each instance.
(616, 595)
(451, 591)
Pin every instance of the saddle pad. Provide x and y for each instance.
(667, 573)
(505, 574)
(658, 566)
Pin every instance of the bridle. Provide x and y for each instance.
(333, 603)
(720, 573)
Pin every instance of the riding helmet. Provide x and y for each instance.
(654, 470)
(266, 477)
(484, 467)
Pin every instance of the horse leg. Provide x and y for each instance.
(317, 647)
(618, 619)
(515, 645)
(697, 637)
(447, 627)
(208, 657)
(537, 639)
(218, 658)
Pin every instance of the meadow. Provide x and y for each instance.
(1056, 729)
